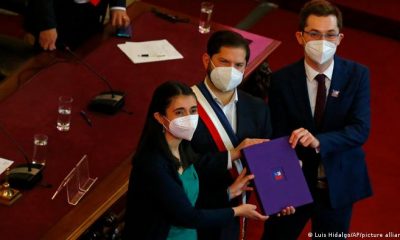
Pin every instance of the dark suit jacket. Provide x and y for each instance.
(345, 126)
(156, 200)
(74, 22)
(253, 121)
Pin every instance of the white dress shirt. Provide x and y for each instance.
(312, 84)
(312, 87)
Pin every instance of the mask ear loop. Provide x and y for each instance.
(213, 67)
(164, 127)
(210, 71)
(212, 64)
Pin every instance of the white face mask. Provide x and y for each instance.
(225, 78)
(320, 50)
(183, 127)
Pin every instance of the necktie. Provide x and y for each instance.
(321, 100)
(94, 2)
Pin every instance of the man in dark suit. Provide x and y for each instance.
(70, 22)
(228, 119)
(323, 103)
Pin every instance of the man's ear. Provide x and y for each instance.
(206, 60)
(341, 36)
(299, 37)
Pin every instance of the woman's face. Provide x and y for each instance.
(180, 106)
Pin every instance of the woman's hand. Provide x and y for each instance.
(240, 184)
(249, 211)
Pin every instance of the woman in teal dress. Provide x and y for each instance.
(164, 185)
(190, 183)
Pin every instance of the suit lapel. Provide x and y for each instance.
(336, 90)
(240, 118)
(300, 92)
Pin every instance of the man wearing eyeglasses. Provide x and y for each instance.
(323, 103)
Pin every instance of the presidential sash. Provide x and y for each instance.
(216, 122)
(221, 132)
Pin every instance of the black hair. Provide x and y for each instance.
(152, 137)
(221, 39)
(320, 8)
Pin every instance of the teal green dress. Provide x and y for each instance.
(190, 182)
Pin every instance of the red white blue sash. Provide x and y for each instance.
(215, 119)
(217, 124)
(221, 131)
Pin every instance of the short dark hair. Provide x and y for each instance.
(227, 39)
(320, 8)
(152, 138)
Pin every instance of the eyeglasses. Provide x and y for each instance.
(318, 36)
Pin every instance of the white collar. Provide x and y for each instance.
(311, 73)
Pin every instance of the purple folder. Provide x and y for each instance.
(279, 180)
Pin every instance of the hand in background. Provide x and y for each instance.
(119, 18)
(48, 38)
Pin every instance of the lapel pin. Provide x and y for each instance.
(335, 93)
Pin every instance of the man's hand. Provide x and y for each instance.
(303, 137)
(287, 211)
(47, 39)
(119, 18)
(240, 185)
(235, 153)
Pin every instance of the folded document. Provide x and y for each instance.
(150, 51)
(279, 179)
